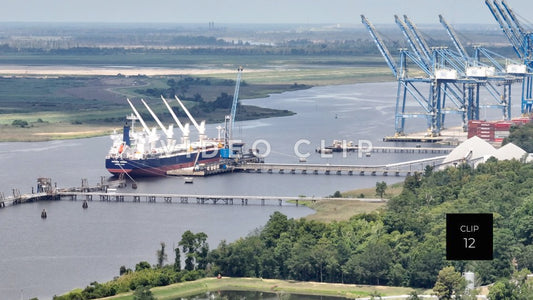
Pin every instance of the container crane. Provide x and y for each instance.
(407, 86)
(522, 43)
(444, 67)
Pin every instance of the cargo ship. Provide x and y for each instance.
(146, 152)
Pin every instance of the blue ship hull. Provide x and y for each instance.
(158, 165)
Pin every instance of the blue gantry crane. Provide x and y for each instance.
(431, 73)
(487, 75)
(522, 42)
(454, 78)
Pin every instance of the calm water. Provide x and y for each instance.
(240, 295)
(74, 246)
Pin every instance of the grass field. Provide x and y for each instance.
(280, 287)
(340, 210)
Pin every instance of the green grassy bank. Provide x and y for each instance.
(184, 289)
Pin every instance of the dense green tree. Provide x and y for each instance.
(161, 255)
(202, 250)
(143, 293)
(177, 259)
(450, 284)
(426, 260)
(381, 187)
(188, 244)
(404, 244)
(522, 136)
(142, 266)
(276, 225)
(503, 289)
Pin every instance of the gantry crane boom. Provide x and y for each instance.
(381, 46)
(510, 36)
(509, 22)
(460, 48)
(416, 54)
(513, 17)
(418, 36)
(522, 43)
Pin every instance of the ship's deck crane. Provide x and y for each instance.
(184, 128)
(151, 133)
(200, 127)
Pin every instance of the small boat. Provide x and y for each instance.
(43, 214)
(302, 159)
(188, 179)
(85, 205)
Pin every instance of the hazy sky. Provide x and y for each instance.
(253, 11)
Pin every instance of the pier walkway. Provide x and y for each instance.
(387, 149)
(397, 169)
(167, 198)
(198, 199)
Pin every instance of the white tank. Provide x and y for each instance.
(470, 279)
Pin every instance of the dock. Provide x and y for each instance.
(396, 169)
(113, 196)
(198, 199)
(385, 149)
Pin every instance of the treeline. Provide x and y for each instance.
(193, 246)
(402, 245)
(202, 45)
(522, 136)
(206, 45)
(181, 87)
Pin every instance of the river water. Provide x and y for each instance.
(73, 247)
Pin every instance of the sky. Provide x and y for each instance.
(253, 11)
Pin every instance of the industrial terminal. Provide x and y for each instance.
(439, 81)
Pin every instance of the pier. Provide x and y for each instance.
(384, 149)
(113, 196)
(397, 169)
(197, 199)
(106, 191)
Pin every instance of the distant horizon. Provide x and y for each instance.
(341, 25)
(254, 12)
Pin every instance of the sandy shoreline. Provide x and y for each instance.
(65, 70)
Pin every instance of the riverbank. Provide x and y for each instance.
(339, 210)
(186, 289)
